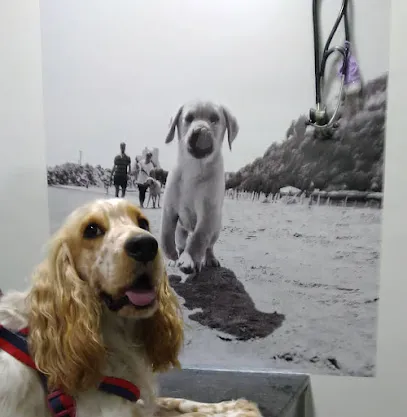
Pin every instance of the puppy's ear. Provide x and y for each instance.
(173, 125)
(164, 332)
(65, 340)
(232, 126)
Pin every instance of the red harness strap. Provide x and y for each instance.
(60, 404)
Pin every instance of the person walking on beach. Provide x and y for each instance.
(121, 170)
(145, 166)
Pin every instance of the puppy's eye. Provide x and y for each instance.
(143, 224)
(93, 231)
(214, 118)
(189, 118)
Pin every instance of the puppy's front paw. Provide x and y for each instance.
(211, 262)
(210, 259)
(186, 264)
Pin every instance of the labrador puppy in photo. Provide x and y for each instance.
(195, 188)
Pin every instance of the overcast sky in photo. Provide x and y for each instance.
(119, 70)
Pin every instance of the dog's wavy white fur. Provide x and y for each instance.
(75, 339)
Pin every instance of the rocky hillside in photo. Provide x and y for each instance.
(349, 157)
(79, 175)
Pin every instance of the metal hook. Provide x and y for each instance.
(318, 117)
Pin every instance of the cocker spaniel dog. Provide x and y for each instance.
(96, 324)
(100, 318)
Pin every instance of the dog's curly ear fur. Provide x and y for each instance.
(65, 340)
(173, 125)
(163, 333)
(232, 126)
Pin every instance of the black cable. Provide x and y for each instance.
(315, 19)
(320, 64)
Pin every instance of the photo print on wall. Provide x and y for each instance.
(204, 121)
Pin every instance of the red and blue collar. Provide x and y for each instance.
(59, 403)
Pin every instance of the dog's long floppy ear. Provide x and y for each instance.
(232, 126)
(65, 340)
(173, 125)
(163, 333)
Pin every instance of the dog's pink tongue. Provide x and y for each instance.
(141, 298)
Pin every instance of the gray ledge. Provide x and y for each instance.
(277, 394)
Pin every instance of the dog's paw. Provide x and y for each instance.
(210, 259)
(211, 262)
(187, 265)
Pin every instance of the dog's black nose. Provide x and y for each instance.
(142, 248)
(201, 140)
(195, 135)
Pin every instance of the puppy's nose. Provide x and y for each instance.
(142, 248)
(196, 132)
(200, 139)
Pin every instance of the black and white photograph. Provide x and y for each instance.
(253, 139)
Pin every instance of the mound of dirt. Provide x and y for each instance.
(225, 304)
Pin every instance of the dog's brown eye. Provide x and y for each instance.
(214, 118)
(189, 118)
(143, 224)
(93, 231)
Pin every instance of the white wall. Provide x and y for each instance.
(25, 219)
(23, 203)
(384, 395)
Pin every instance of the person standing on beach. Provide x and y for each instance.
(121, 170)
(145, 166)
(135, 172)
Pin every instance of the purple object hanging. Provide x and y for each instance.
(352, 82)
(353, 73)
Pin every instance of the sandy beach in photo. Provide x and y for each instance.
(315, 267)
